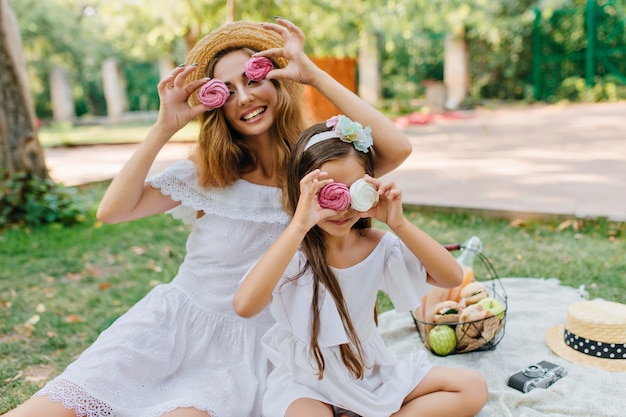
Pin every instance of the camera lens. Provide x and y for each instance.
(533, 371)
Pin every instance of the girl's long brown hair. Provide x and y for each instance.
(222, 154)
(314, 244)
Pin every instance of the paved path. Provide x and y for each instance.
(521, 161)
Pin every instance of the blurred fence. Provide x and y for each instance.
(586, 43)
(343, 70)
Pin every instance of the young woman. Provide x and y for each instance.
(182, 350)
(321, 279)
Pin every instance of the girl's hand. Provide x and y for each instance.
(389, 208)
(299, 68)
(308, 212)
(174, 111)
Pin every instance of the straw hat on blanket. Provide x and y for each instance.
(594, 334)
(231, 36)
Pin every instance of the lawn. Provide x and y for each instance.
(61, 286)
(64, 134)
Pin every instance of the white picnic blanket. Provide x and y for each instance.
(534, 305)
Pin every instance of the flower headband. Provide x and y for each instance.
(345, 130)
(214, 93)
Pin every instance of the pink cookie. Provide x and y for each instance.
(334, 196)
(256, 68)
(213, 93)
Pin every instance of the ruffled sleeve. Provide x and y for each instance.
(291, 307)
(241, 200)
(180, 182)
(404, 277)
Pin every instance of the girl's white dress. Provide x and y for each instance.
(392, 268)
(183, 345)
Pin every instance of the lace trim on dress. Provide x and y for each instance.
(240, 201)
(75, 398)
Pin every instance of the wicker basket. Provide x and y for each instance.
(477, 335)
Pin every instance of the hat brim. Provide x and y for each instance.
(554, 340)
(231, 36)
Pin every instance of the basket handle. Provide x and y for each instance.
(451, 247)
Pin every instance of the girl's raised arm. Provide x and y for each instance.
(255, 291)
(442, 269)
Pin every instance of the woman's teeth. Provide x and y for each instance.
(253, 114)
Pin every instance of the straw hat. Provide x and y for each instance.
(240, 34)
(594, 335)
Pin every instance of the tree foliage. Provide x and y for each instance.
(27, 195)
(78, 34)
(29, 200)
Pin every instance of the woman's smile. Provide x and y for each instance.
(253, 114)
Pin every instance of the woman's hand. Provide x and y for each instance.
(389, 208)
(175, 112)
(308, 212)
(299, 68)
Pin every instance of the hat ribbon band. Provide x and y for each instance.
(594, 348)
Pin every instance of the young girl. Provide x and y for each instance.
(182, 350)
(321, 279)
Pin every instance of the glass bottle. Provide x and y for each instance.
(472, 247)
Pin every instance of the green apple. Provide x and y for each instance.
(442, 339)
(494, 306)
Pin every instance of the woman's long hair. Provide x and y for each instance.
(314, 247)
(222, 154)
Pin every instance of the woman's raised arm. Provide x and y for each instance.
(391, 145)
(129, 197)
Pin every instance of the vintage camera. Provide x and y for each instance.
(540, 375)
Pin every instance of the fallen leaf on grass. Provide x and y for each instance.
(518, 223)
(137, 250)
(33, 320)
(14, 378)
(153, 267)
(104, 286)
(564, 225)
(73, 318)
(576, 224)
(13, 337)
(37, 373)
(95, 271)
(72, 276)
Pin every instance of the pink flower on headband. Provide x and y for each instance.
(334, 196)
(213, 93)
(257, 67)
(354, 132)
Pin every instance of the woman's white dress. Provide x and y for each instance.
(183, 345)
(392, 268)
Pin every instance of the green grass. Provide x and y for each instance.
(59, 287)
(64, 134)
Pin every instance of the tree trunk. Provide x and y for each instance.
(20, 150)
(231, 6)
